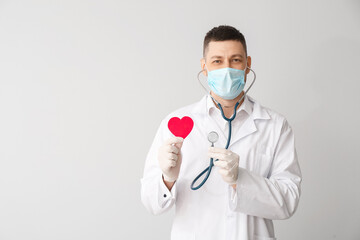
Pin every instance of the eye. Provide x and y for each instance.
(216, 61)
(236, 60)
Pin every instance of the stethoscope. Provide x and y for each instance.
(213, 136)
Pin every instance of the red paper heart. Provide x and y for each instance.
(181, 127)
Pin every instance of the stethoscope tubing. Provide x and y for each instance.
(229, 120)
(209, 168)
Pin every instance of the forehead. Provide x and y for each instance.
(223, 48)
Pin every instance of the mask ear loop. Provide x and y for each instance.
(247, 90)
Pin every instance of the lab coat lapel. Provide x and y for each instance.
(246, 129)
(249, 126)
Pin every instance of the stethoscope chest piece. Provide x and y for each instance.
(213, 137)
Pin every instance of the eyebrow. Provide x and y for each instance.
(237, 55)
(216, 57)
(232, 56)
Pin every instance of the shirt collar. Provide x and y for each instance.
(246, 106)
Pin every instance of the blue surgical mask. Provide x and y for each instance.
(227, 83)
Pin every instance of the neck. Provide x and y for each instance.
(228, 105)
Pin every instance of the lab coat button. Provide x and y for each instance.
(164, 195)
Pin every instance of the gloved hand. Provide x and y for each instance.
(169, 157)
(228, 163)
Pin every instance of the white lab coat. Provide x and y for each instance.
(268, 185)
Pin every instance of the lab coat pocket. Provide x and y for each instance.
(263, 238)
(263, 161)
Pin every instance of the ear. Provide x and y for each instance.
(248, 60)
(202, 63)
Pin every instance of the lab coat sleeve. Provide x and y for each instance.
(154, 194)
(276, 196)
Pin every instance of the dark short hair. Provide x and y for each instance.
(223, 33)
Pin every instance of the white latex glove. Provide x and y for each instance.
(169, 157)
(228, 163)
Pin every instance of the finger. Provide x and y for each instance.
(216, 155)
(221, 164)
(171, 149)
(172, 163)
(219, 150)
(219, 156)
(178, 145)
(172, 156)
(174, 140)
(233, 166)
(174, 149)
(224, 172)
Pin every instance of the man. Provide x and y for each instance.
(256, 180)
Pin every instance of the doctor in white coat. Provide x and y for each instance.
(256, 180)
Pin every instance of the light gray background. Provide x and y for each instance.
(85, 84)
